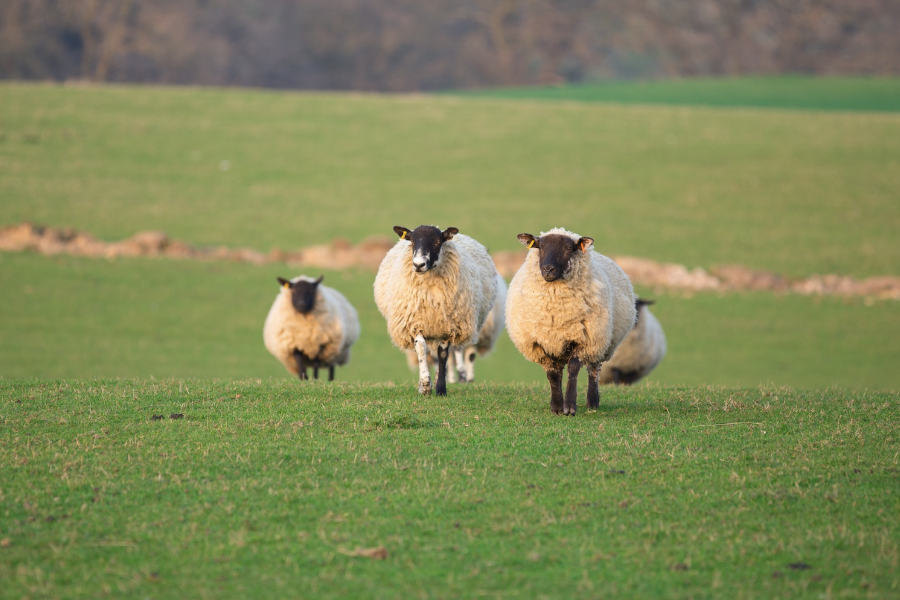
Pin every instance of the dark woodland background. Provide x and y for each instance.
(406, 45)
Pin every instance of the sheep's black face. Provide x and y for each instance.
(427, 242)
(556, 252)
(303, 293)
(638, 305)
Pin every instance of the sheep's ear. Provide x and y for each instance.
(449, 233)
(403, 232)
(585, 243)
(640, 302)
(319, 280)
(284, 282)
(529, 240)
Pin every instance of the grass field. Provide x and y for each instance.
(792, 92)
(76, 318)
(267, 489)
(790, 192)
(714, 479)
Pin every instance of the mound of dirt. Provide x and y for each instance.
(368, 254)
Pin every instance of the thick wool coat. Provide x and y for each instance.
(449, 302)
(586, 313)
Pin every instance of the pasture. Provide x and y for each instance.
(759, 460)
(275, 489)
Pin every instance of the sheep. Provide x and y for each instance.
(461, 361)
(639, 352)
(464, 358)
(568, 305)
(310, 325)
(435, 289)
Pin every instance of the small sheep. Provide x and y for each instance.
(568, 305)
(639, 352)
(310, 325)
(461, 361)
(435, 289)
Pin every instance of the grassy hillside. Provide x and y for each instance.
(794, 92)
(75, 317)
(268, 489)
(790, 192)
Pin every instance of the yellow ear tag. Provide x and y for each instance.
(287, 285)
(403, 237)
(530, 244)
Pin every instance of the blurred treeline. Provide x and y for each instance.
(400, 45)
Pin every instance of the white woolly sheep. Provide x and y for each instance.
(435, 289)
(310, 325)
(639, 353)
(567, 306)
(461, 361)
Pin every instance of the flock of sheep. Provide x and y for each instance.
(568, 306)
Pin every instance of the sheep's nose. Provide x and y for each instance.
(549, 272)
(420, 267)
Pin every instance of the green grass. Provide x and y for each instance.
(791, 192)
(76, 318)
(263, 488)
(793, 92)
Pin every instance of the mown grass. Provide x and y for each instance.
(790, 91)
(266, 489)
(795, 193)
(77, 318)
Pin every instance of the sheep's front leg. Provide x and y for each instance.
(443, 352)
(554, 376)
(424, 375)
(572, 387)
(300, 359)
(330, 372)
(593, 391)
(316, 370)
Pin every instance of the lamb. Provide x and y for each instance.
(461, 361)
(639, 352)
(567, 306)
(435, 289)
(310, 325)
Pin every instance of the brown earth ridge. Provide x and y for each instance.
(341, 254)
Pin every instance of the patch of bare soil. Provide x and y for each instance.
(341, 254)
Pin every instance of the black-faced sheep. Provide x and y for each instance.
(639, 353)
(310, 325)
(435, 289)
(567, 306)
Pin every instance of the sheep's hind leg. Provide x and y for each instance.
(554, 376)
(330, 372)
(443, 352)
(424, 375)
(571, 399)
(300, 358)
(593, 391)
(455, 369)
(470, 363)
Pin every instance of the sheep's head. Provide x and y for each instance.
(303, 293)
(638, 305)
(556, 252)
(427, 242)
